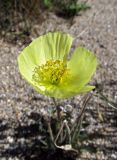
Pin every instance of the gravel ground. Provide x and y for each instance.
(95, 29)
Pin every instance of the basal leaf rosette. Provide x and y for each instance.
(45, 66)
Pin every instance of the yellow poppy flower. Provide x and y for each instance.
(45, 66)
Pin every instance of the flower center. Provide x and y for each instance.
(53, 71)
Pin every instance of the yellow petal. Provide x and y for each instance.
(82, 66)
(49, 46)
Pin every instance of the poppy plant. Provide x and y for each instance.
(45, 66)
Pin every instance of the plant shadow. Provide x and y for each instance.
(28, 142)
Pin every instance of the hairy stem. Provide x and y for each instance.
(57, 108)
(76, 127)
(50, 131)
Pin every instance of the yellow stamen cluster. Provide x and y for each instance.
(53, 71)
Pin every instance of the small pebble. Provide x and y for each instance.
(10, 139)
(114, 156)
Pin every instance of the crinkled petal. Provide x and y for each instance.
(62, 92)
(71, 90)
(53, 91)
(82, 66)
(26, 65)
(54, 46)
(49, 46)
